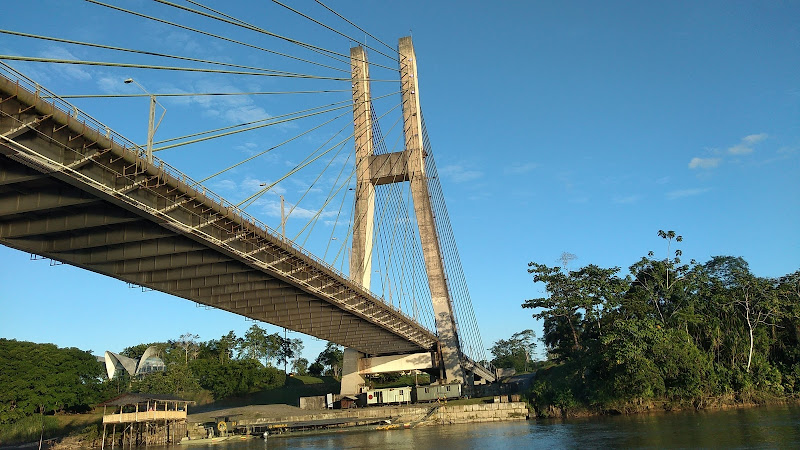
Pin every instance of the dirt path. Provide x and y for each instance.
(250, 412)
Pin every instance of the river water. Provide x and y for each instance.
(768, 427)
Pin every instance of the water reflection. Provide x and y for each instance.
(773, 427)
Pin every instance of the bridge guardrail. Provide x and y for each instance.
(32, 86)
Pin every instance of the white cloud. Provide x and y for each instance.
(224, 185)
(704, 163)
(68, 70)
(110, 85)
(459, 174)
(754, 138)
(248, 148)
(234, 109)
(746, 145)
(674, 195)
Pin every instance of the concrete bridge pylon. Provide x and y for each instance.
(374, 170)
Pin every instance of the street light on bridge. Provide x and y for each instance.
(151, 125)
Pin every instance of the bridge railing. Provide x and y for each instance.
(76, 113)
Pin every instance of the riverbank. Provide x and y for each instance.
(657, 407)
(264, 418)
(411, 416)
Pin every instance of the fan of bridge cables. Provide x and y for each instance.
(264, 119)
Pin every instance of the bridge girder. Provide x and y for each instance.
(70, 193)
(92, 238)
(162, 265)
(63, 221)
(43, 202)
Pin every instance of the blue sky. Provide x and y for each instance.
(580, 127)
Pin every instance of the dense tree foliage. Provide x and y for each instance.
(43, 378)
(224, 367)
(235, 378)
(692, 334)
(300, 366)
(316, 369)
(331, 360)
(515, 352)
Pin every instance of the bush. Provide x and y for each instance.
(236, 377)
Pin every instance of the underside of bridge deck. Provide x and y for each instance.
(70, 193)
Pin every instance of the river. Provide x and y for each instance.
(767, 427)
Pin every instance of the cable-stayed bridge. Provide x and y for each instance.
(75, 191)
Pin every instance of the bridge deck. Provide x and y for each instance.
(88, 198)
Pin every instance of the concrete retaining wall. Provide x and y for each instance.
(491, 412)
(452, 414)
(362, 413)
(317, 402)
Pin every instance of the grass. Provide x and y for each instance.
(288, 394)
(29, 429)
(308, 379)
(295, 388)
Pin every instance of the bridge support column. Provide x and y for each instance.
(434, 265)
(352, 381)
(364, 209)
(408, 165)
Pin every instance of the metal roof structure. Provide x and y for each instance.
(149, 362)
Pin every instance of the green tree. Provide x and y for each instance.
(300, 366)
(315, 369)
(176, 380)
(287, 350)
(235, 377)
(678, 333)
(562, 303)
(515, 352)
(227, 345)
(257, 344)
(331, 357)
(188, 343)
(665, 285)
(758, 302)
(135, 351)
(38, 378)
(576, 303)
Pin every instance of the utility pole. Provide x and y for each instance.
(151, 122)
